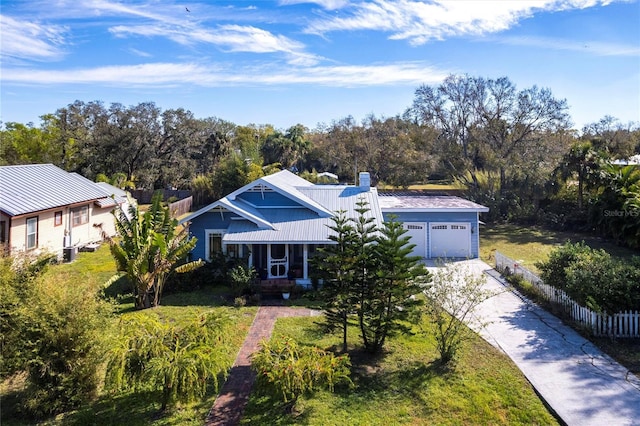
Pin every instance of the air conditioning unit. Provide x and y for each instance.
(69, 254)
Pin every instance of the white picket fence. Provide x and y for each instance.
(622, 324)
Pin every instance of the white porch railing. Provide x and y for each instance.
(622, 324)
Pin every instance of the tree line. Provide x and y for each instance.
(513, 150)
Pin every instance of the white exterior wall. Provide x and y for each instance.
(53, 238)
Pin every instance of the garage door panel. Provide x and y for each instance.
(417, 231)
(450, 240)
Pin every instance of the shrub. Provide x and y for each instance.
(55, 332)
(180, 362)
(290, 370)
(593, 278)
(604, 284)
(240, 278)
(554, 271)
(450, 302)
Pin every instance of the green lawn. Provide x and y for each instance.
(406, 386)
(530, 244)
(93, 268)
(142, 408)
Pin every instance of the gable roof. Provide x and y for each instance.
(120, 195)
(289, 185)
(303, 225)
(283, 182)
(35, 187)
(308, 222)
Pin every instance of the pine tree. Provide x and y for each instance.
(336, 264)
(399, 276)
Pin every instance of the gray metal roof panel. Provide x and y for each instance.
(34, 187)
(428, 203)
(120, 195)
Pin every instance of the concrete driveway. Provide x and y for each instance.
(579, 382)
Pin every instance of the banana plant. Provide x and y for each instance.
(148, 249)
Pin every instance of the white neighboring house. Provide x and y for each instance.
(46, 209)
(122, 197)
(634, 160)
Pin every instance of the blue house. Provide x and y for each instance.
(279, 221)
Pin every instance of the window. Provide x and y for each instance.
(278, 251)
(57, 219)
(3, 231)
(32, 233)
(80, 216)
(215, 245)
(233, 251)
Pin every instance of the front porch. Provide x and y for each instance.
(282, 265)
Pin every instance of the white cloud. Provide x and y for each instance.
(138, 52)
(422, 21)
(173, 74)
(233, 38)
(326, 4)
(31, 40)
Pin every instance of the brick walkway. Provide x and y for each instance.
(229, 406)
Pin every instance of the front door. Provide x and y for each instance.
(278, 261)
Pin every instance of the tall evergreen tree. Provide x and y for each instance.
(399, 276)
(365, 266)
(336, 264)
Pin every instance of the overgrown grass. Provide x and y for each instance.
(141, 408)
(531, 244)
(407, 385)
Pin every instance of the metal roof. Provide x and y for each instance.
(34, 187)
(289, 185)
(302, 225)
(428, 203)
(309, 222)
(120, 195)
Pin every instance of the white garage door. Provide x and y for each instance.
(418, 233)
(450, 239)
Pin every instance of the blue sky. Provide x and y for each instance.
(293, 61)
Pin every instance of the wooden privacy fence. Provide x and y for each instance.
(144, 196)
(180, 207)
(622, 324)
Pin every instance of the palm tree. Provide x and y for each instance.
(581, 161)
(149, 249)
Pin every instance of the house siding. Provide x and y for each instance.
(51, 238)
(209, 220)
(267, 199)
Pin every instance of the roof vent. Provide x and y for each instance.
(365, 180)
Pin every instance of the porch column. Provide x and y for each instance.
(250, 259)
(305, 264)
(269, 261)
